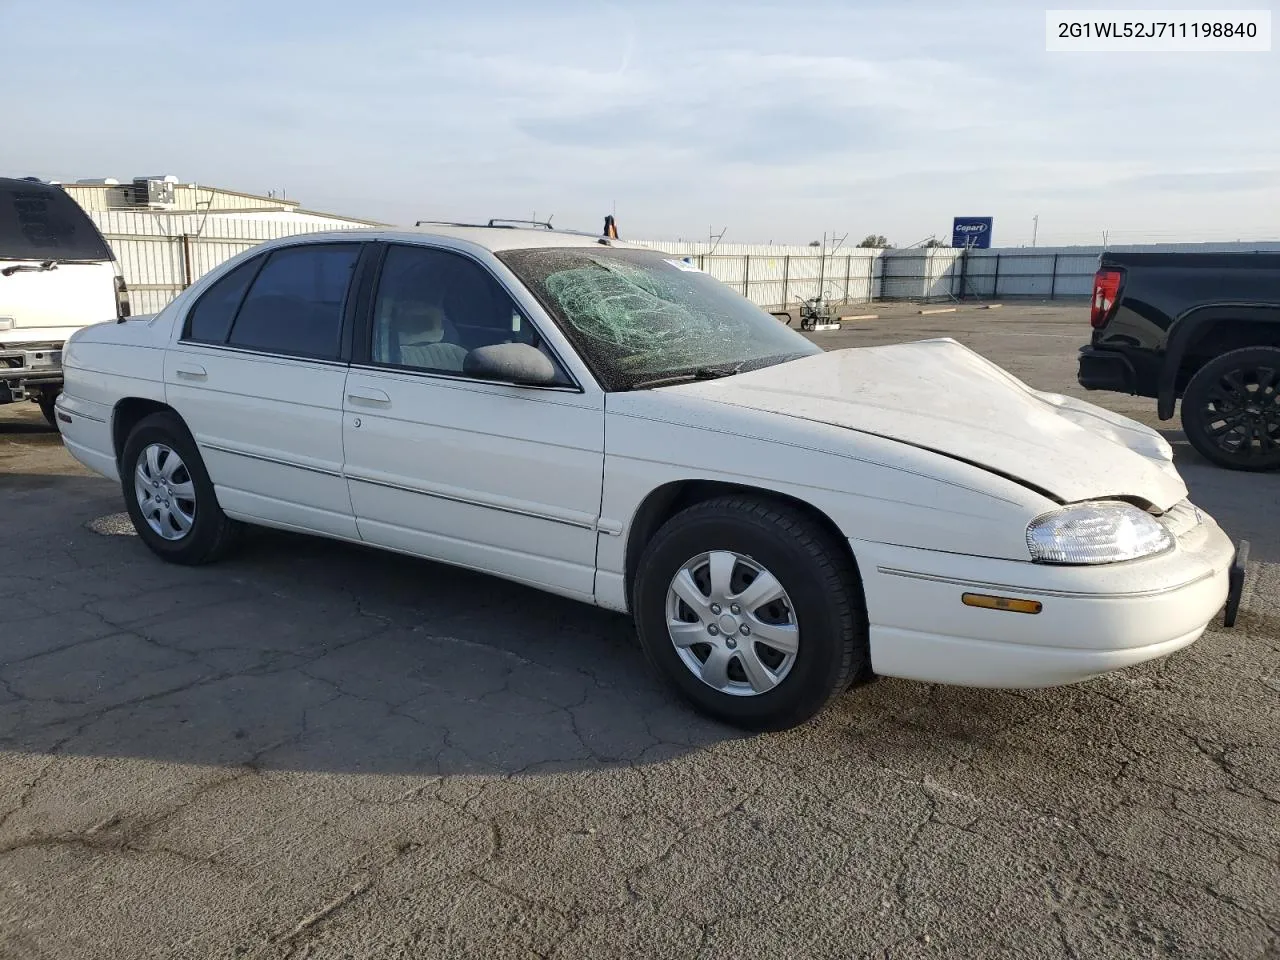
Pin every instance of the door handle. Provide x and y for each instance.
(193, 372)
(367, 395)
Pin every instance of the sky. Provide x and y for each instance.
(774, 122)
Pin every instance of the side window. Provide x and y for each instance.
(433, 307)
(210, 319)
(295, 304)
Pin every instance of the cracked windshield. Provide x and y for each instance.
(641, 319)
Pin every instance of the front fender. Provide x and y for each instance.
(871, 488)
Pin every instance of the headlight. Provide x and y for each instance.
(1103, 532)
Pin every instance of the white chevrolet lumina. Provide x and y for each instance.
(613, 425)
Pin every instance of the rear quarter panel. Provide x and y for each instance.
(109, 362)
(103, 365)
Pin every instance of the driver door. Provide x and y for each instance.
(493, 476)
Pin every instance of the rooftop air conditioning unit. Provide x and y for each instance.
(154, 192)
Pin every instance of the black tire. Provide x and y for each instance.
(212, 533)
(1231, 409)
(46, 402)
(819, 577)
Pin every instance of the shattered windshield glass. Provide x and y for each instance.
(639, 317)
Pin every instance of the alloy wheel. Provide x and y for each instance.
(1241, 412)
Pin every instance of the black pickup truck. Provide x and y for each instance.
(1203, 327)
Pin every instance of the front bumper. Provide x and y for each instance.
(1092, 619)
(1106, 370)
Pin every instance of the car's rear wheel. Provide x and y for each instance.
(169, 495)
(752, 610)
(1231, 409)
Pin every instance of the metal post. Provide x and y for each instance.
(848, 274)
(995, 280)
(186, 260)
(871, 278)
(964, 270)
(786, 276)
(822, 276)
(746, 275)
(1053, 277)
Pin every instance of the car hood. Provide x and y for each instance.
(941, 396)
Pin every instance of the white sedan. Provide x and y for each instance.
(613, 425)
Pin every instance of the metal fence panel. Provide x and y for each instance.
(160, 254)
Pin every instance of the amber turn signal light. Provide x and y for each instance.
(1012, 604)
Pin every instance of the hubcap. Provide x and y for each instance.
(1242, 412)
(732, 623)
(165, 491)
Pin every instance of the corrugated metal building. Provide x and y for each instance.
(167, 234)
(168, 193)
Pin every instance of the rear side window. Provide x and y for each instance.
(296, 302)
(210, 319)
(41, 222)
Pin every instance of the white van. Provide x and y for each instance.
(57, 275)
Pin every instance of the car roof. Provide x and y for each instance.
(490, 238)
(27, 184)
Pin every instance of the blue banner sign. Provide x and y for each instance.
(971, 232)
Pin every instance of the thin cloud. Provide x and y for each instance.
(779, 119)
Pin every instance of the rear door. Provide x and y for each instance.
(57, 274)
(258, 375)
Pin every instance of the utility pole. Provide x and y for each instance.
(1035, 228)
(713, 238)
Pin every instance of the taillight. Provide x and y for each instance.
(122, 299)
(1106, 289)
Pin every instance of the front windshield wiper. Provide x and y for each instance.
(30, 267)
(716, 372)
(686, 376)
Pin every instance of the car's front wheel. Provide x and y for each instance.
(752, 610)
(169, 495)
(1231, 409)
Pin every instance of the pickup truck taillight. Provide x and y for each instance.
(1106, 290)
(122, 299)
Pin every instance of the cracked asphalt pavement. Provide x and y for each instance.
(316, 750)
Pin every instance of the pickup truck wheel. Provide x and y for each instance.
(169, 495)
(1231, 409)
(752, 610)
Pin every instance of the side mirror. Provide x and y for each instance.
(511, 363)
